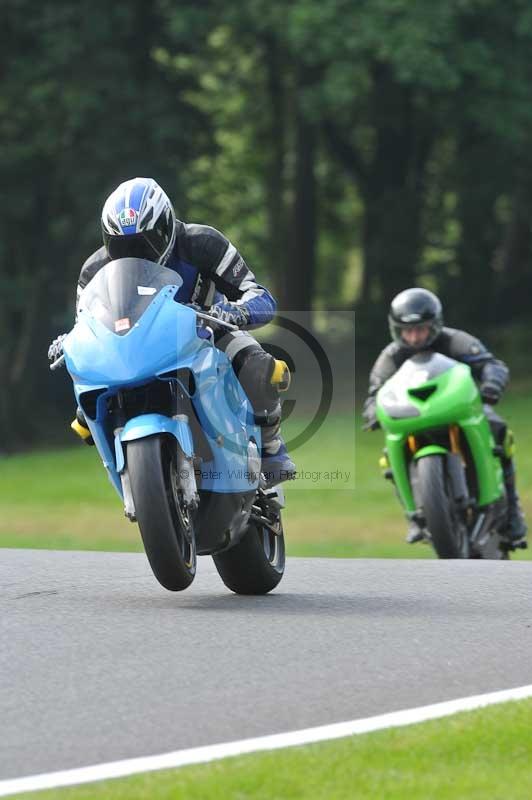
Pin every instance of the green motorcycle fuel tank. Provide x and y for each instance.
(428, 394)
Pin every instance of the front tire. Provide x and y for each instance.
(165, 522)
(448, 531)
(256, 564)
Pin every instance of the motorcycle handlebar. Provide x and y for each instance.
(59, 363)
(217, 321)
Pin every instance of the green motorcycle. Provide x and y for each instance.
(442, 458)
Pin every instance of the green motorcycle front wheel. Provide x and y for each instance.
(448, 531)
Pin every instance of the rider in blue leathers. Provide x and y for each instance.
(138, 220)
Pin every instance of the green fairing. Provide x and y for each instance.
(454, 401)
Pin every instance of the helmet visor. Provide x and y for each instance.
(415, 336)
(133, 246)
(151, 245)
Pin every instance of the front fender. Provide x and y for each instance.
(430, 450)
(151, 425)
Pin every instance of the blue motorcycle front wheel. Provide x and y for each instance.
(166, 525)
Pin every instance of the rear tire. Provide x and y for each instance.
(164, 521)
(256, 564)
(448, 532)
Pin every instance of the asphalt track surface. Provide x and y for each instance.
(99, 663)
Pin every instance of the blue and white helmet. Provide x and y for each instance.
(138, 221)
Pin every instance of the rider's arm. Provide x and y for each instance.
(219, 260)
(491, 373)
(89, 269)
(92, 265)
(383, 369)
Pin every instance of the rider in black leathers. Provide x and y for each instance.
(416, 324)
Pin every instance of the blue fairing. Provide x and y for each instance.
(151, 346)
(163, 339)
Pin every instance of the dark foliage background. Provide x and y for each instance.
(348, 149)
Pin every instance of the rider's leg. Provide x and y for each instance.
(517, 529)
(254, 368)
(415, 532)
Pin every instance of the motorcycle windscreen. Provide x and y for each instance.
(413, 374)
(422, 367)
(122, 290)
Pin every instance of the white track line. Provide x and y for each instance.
(200, 755)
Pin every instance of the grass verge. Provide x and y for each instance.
(342, 507)
(479, 755)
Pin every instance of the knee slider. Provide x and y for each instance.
(509, 444)
(281, 375)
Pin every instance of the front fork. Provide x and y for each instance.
(396, 466)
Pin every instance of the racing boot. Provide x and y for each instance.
(79, 426)
(277, 466)
(415, 531)
(516, 529)
(414, 534)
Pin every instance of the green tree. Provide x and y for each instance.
(89, 109)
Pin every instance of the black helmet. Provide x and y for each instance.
(415, 307)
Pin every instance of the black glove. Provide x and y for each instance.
(369, 415)
(230, 312)
(371, 425)
(55, 350)
(490, 392)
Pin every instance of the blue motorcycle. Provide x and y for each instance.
(174, 429)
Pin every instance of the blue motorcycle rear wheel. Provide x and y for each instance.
(256, 564)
